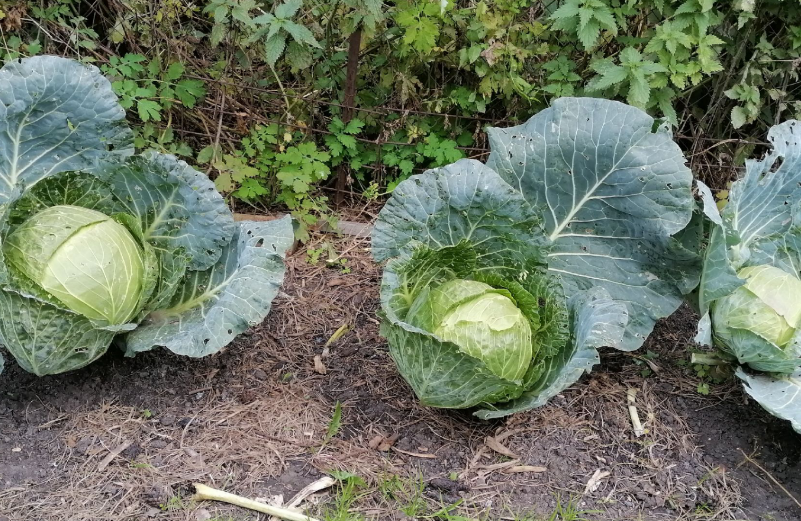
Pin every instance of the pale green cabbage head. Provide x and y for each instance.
(87, 260)
(768, 305)
(484, 322)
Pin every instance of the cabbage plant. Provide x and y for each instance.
(103, 246)
(502, 280)
(750, 288)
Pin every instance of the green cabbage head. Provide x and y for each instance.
(84, 258)
(484, 322)
(758, 321)
(502, 280)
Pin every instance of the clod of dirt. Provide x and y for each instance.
(448, 485)
(158, 495)
(132, 451)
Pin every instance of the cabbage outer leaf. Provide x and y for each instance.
(612, 192)
(55, 115)
(762, 206)
(718, 276)
(780, 396)
(48, 340)
(465, 200)
(212, 306)
(178, 207)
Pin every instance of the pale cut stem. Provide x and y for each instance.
(204, 493)
(707, 359)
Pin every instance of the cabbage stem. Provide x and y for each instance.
(204, 493)
(708, 359)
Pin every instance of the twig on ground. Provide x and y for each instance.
(769, 475)
(204, 493)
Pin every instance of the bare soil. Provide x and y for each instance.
(125, 438)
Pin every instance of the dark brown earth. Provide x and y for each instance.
(125, 438)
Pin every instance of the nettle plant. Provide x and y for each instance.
(503, 279)
(100, 245)
(750, 290)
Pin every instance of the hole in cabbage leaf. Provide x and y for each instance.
(776, 164)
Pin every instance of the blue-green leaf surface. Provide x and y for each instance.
(462, 201)
(612, 193)
(179, 208)
(718, 276)
(212, 306)
(56, 115)
(761, 204)
(779, 395)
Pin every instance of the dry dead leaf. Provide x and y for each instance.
(499, 447)
(113, 454)
(414, 454)
(387, 443)
(319, 366)
(595, 480)
(524, 468)
(375, 442)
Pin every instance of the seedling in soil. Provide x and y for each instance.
(569, 512)
(333, 427)
(407, 492)
(173, 504)
(348, 493)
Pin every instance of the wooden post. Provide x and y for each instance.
(354, 47)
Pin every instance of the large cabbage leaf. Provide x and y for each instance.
(464, 201)
(763, 206)
(46, 339)
(212, 306)
(612, 192)
(177, 206)
(56, 115)
(780, 396)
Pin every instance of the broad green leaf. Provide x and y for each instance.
(462, 201)
(178, 206)
(45, 339)
(56, 115)
(301, 34)
(779, 395)
(274, 48)
(718, 276)
(148, 110)
(761, 204)
(439, 373)
(174, 71)
(613, 192)
(211, 307)
(288, 9)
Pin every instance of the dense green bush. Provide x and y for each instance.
(716, 70)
